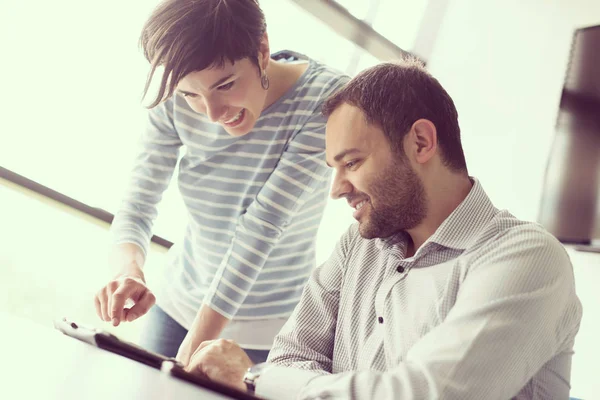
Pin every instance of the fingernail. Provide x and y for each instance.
(131, 317)
(115, 321)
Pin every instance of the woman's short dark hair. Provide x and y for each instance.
(394, 96)
(184, 36)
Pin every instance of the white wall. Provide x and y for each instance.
(503, 62)
(584, 372)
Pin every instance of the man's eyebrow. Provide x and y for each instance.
(343, 154)
(220, 81)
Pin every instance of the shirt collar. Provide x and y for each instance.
(462, 227)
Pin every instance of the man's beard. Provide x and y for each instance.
(400, 202)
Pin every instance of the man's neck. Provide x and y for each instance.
(443, 197)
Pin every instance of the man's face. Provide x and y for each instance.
(387, 195)
(231, 96)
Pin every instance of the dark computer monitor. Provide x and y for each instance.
(570, 207)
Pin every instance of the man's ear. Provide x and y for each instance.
(422, 141)
(264, 52)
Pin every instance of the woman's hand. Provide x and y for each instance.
(187, 348)
(207, 325)
(127, 287)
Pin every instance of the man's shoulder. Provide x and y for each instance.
(506, 227)
(505, 235)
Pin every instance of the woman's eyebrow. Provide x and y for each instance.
(220, 81)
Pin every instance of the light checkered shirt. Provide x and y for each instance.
(485, 309)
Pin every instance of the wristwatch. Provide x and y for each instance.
(253, 374)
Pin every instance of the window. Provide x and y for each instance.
(71, 82)
(400, 21)
(73, 114)
(71, 103)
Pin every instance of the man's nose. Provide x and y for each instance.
(340, 186)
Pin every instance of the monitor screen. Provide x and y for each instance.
(570, 207)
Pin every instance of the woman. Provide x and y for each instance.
(253, 178)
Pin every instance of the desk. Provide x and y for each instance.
(42, 363)
(52, 261)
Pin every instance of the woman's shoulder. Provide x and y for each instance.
(317, 72)
(322, 75)
(304, 100)
(319, 80)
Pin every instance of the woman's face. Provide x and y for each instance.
(231, 96)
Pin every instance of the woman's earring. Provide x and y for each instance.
(264, 80)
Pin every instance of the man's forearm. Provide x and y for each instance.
(269, 385)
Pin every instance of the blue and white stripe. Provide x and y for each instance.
(254, 202)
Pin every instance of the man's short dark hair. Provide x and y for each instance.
(185, 36)
(394, 95)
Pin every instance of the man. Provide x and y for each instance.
(435, 293)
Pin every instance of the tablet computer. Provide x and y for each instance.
(107, 341)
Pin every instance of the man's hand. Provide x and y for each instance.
(111, 300)
(221, 361)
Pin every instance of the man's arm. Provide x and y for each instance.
(515, 309)
(303, 349)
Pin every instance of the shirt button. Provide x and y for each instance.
(400, 269)
(380, 319)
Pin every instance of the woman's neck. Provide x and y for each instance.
(282, 77)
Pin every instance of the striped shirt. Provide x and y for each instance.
(254, 204)
(485, 309)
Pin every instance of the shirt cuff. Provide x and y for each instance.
(278, 382)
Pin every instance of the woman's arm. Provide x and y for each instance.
(149, 178)
(132, 225)
(300, 174)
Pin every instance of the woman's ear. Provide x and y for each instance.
(423, 140)
(264, 52)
